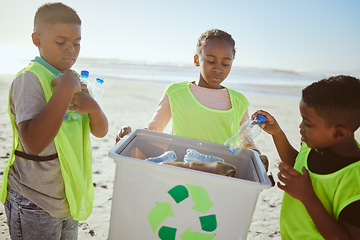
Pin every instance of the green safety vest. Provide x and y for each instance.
(335, 191)
(74, 150)
(193, 120)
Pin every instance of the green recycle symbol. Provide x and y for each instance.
(202, 204)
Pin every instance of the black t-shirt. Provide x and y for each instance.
(326, 162)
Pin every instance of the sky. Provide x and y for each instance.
(305, 36)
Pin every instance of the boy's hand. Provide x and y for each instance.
(270, 126)
(297, 185)
(69, 79)
(122, 132)
(83, 102)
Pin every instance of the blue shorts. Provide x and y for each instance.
(28, 221)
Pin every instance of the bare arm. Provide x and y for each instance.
(162, 115)
(40, 131)
(159, 121)
(84, 103)
(286, 152)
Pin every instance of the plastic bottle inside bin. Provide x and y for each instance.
(194, 156)
(168, 156)
(98, 89)
(247, 132)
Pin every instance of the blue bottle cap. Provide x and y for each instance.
(261, 117)
(84, 73)
(100, 80)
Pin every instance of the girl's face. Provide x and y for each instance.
(215, 61)
(313, 129)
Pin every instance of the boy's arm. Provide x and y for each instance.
(84, 103)
(299, 187)
(39, 132)
(98, 122)
(286, 152)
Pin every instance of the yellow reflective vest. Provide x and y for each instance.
(74, 150)
(193, 120)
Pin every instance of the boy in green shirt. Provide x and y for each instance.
(324, 201)
(47, 185)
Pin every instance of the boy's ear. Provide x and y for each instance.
(36, 39)
(340, 131)
(196, 60)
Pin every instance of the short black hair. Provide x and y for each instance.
(214, 34)
(336, 100)
(55, 13)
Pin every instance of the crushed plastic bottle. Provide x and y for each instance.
(194, 156)
(168, 156)
(247, 132)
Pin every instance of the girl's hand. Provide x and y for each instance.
(265, 161)
(122, 132)
(270, 126)
(295, 184)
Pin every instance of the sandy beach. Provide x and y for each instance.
(133, 103)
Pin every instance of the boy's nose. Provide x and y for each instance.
(69, 48)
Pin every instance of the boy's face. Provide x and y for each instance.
(313, 129)
(215, 61)
(59, 44)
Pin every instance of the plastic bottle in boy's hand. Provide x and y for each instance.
(98, 89)
(84, 77)
(247, 132)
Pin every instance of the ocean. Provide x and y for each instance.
(246, 80)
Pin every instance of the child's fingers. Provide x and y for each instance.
(84, 87)
(55, 82)
(282, 178)
(281, 186)
(287, 171)
(122, 132)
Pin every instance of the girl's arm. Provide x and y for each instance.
(162, 115)
(39, 132)
(299, 187)
(159, 121)
(286, 152)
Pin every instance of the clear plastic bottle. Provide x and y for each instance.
(194, 156)
(84, 77)
(247, 132)
(168, 156)
(98, 89)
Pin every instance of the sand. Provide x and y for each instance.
(134, 103)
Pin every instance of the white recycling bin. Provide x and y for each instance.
(152, 201)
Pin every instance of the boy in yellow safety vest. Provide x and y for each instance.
(47, 184)
(322, 180)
